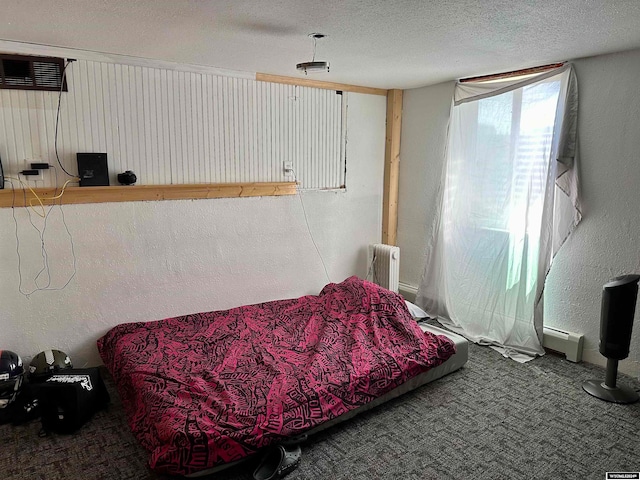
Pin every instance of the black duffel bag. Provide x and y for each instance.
(69, 398)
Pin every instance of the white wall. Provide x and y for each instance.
(425, 116)
(149, 260)
(605, 244)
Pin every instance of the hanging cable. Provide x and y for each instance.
(315, 40)
(372, 269)
(45, 213)
(55, 143)
(43, 251)
(47, 199)
(304, 211)
(66, 227)
(24, 187)
(41, 234)
(15, 222)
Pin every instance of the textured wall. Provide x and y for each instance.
(425, 115)
(605, 244)
(149, 260)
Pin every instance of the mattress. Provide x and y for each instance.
(208, 389)
(453, 363)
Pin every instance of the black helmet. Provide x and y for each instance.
(47, 363)
(11, 375)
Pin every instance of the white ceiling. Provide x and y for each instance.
(378, 43)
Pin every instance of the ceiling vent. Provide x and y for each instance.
(25, 72)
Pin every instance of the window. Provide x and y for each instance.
(486, 268)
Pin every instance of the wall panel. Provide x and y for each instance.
(178, 127)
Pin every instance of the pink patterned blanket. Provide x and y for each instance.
(211, 388)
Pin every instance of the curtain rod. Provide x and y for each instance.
(515, 73)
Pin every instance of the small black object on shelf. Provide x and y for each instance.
(92, 169)
(127, 178)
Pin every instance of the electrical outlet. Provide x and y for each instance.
(288, 168)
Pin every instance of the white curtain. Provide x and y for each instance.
(510, 198)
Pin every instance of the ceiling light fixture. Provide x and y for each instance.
(313, 66)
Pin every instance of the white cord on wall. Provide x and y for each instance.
(304, 211)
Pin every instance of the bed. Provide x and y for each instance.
(204, 391)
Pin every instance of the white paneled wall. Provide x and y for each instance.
(173, 127)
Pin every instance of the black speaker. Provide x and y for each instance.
(92, 169)
(619, 297)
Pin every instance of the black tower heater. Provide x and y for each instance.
(616, 321)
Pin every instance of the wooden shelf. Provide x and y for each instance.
(138, 193)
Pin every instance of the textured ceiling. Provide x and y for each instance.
(387, 44)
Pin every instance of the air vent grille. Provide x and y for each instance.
(47, 74)
(31, 73)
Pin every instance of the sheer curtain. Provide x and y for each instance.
(509, 201)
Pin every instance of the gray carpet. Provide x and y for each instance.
(494, 418)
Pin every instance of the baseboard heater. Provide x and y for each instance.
(567, 343)
(570, 344)
(409, 292)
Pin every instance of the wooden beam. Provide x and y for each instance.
(392, 168)
(136, 193)
(305, 82)
(514, 73)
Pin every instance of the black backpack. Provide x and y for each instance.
(69, 398)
